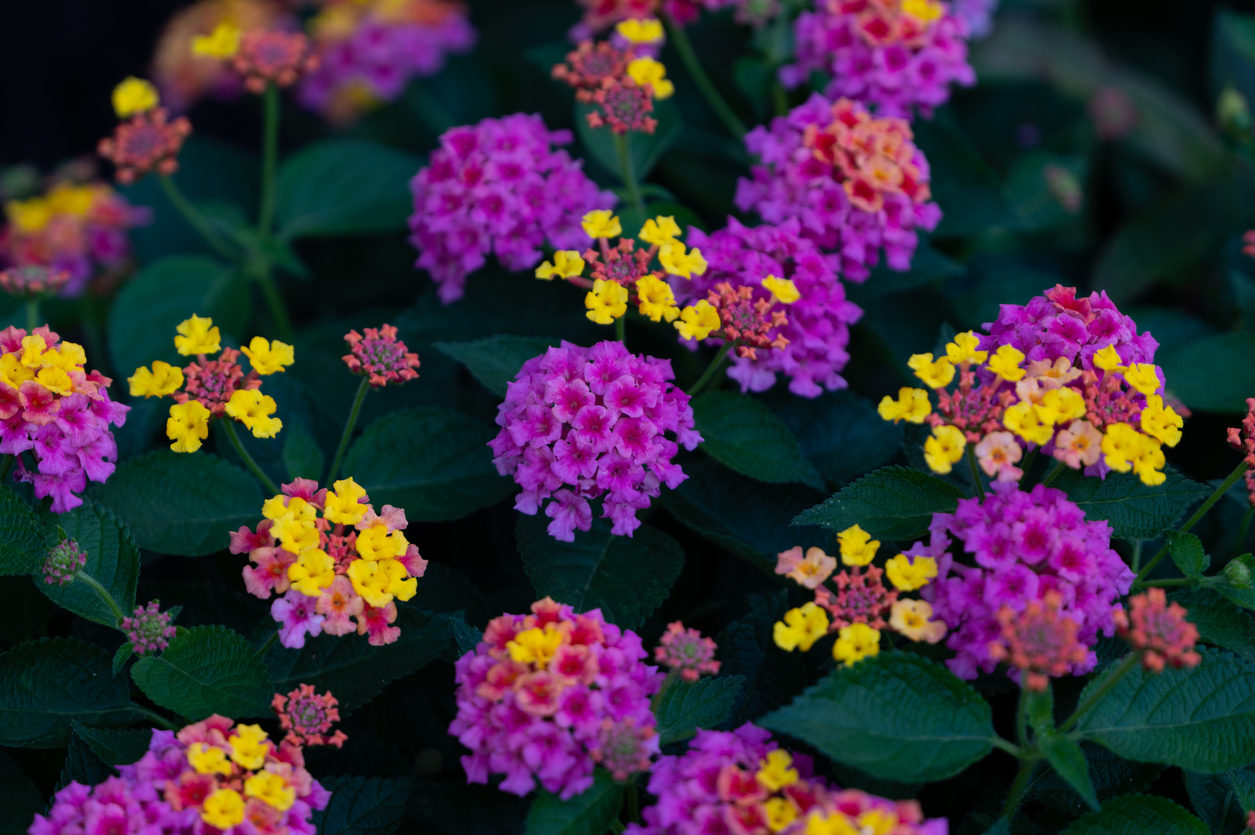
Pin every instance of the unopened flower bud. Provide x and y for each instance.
(1238, 574)
(1233, 112)
(63, 561)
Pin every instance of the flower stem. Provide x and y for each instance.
(1017, 788)
(1130, 661)
(32, 314)
(1136, 561)
(1175, 581)
(617, 827)
(229, 426)
(707, 87)
(269, 153)
(620, 329)
(102, 593)
(633, 802)
(1238, 472)
(1021, 717)
(274, 300)
(270, 642)
(976, 482)
(1242, 531)
(627, 172)
(198, 221)
(348, 430)
(155, 717)
(710, 369)
(1053, 474)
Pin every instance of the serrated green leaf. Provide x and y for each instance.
(22, 546)
(301, 456)
(112, 561)
(1134, 510)
(1187, 552)
(362, 805)
(496, 360)
(185, 504)
(1220, 622)
(351, 668)
(433, 462)
(743, 434)
(962, 182)
(893, 503)
(1068, 760)
(22, 799)
(121, 657)
(1040, 709)
(46, 685)
(624, 576)
(344, 187)
(841, 434)
(207, 670)
(82, 765)
(588, 813)
(1202, 718)
(1138, 814)
(685, 707)
(644, 149)
(115, 746)
(747, 649)
(896, 716)
(1111, 776)
(1214, 373)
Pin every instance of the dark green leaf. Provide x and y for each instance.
(46, 685)
(122, 656)
(433, 462)
(748, 650)
(451, 807)
(588, 813)
(1040, 709)
(1068, 760)
(1213, 373)
(362, 806)
(496, 360)
(962, 183)
(1187, 552)
(83, 766)
(344, 187)
(841, 434)
(22, 799)
(644, 149)
(1111, 776)
(893, 503)
(927, 266)
(624, 576)
(301, 456)
(181, 503)
(741, 433)
(1134, 510)
(112, 560)
(443, 588)
(706, 703)
(897, 716)
(1220, 622)
(115, 746)
(465, 636)
(1138, 814)
(207, 670)
(22, 546)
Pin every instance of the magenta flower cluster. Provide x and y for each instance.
(1024, 545)
(499, 187)
(790, 181)
(875, 54)
(581, 424)
(117, 806)
(148, 629)
(818, 328)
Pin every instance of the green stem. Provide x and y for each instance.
(156, 717)
(1175, 581)
(198, 221)
(348, 430)
(633, 802)
(620, 329)
(1136, 561)
(269, 153)
(274, 300)
(32, 314)
(710, 369)
(270, 642)
(707, 87)
(976, 482)
(1053, 474)
(1021, 717)
(1242, 531)
(617, 827)
(1113, 678)
(780, 98)
(627, 171)
(1238, 472)
(1017, 788)
(102, 593)
(6, 464)
(229, 425)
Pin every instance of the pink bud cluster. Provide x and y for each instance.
(147, 142)
(686, 652)
(63, 561)
(1160, 630)
(307, 717)
(149, 629)
(380, 357)
(275, 57)
(581, 424)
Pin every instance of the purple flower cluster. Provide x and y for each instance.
(792, 182)
(977, 15)
(588, 423)
(1024, 546)
(498, 186)
(149, 629)
(118, 806)
(877, 54)
(818, 327)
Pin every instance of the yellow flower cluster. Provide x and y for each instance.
(33, 215)
(134, 95)
(50, 367)
(247, 748)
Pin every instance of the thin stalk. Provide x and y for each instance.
(627, 171)
(1021, 717)
(6, 464)
(1029, 460)
(1136, 562)
(348, 430)
(155, 717)
(1017, 788)
(269, 154)
(1238, 472)
(102, 593)
(32, 314)
(617, 827)
(1242, 531)
(780, 98)
(1053, 474)
(707, 87)
(633, 802)
(198, 221)
(1113, 678)
(710, 369)
(229, 426)
(976, 482)
(274, 300)
(270, 642)
(1175, 581)
(620, 329)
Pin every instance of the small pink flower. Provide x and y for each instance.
(374, 622)
(339, 604)
(998, 453)
(307, 717)
(809, 571)
(295, 612)
(270, 575)
(149, 629)
(686, 652)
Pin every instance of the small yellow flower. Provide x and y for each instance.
(223, 809)
(1144, 377)
(163, 379)
(29, 216)
(1061, 405)
(877, 822)
(782, 290)
(223, 43)
(780, 813)
(270, 789)
(1024, 420)
(934, 373)
(268, 357)
(777, 771)
(646, 70)
(606, 302)
(567, 263)
(55, 380)
(376, 543)
(912, 618)
(698, 321)
(1107, 359)
(944, 449)
(1125, 449)
(378, 582)
(1006, 363)
(65, 198)
(313, 571)
(295, 534)
(923, 10)
(676, 261)
(249, 746)
(963, 349)
(187, 426)
(536, 646)
(659, 230)
(254, 409)
(656, 299)
(197, 336)
(602, 223)
(1161, 422)
(912, 405)
(801, 628)
(856, 642)
(910, 573)
(857, 546)
(134, 95)
(640, 30)
(342, 505)
(834, 824)
(206, 759)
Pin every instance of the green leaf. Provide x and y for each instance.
(893, 503)
(588, 813)
(841, 434)
(164, 293)
(1138, 814)
(1068, 760)
(928, 266)
(1220, 622)
(496, 360)
(22, 799)
(747, 649)
(207, 670)
(1134, 510)
(1232, 53)
(301, 456)
(48, 684)
(742, 433)
(362, 805)
(344, 187)
(351, 668)
(1111, 776)
(83, 766)
(624, 576)
(896, 716)
(1187, 552)
(705, 703)
(122, 656)
(1214, 373)
(112, 560)
(433, 462)
(645, 149)
(115, 746)
(22, 546)
(1202, 719)
(1040, 709)
(962, 183)
(185, 504)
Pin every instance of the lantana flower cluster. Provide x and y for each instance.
(855, 182)
(148, 629)
(995, 557)
(545, 696)
(1159, 630)
(147, 140)
(861, 604)
(500, 187)
(213, 389)
(893, 55)
(622, 82)
(686, 653)
(1066, 375)
(369, 51)
(380, 357)
(582, 424)
(53, 407)
(260, 57)
(307, 717)
(332, 560)
(1242, 438)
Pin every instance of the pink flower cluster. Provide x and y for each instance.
(818, 323)
(855, 183)
(882, 55)
(542, 694)
(1024, 546)
(500, 187)
(307, 717)
(588, 423)
(149, 629)
(686, 653)
(118, 805)
(369, 53)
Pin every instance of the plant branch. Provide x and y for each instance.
(707, 87)
(102, 593)
(269, 155)
(1017, 787)
(197, 220)
(976, 482)
(266, 482)
(1112, 679)
(155, 717)
(710, 369)
(627, 171)
(348, 430)
(1238, 472)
